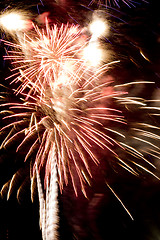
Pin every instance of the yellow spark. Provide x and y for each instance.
(142, 140)
(145, 169)
(151, 154)
(119, 200)
(127, 167)
(143, 55)
(86, 178)
(130, 100)
(116, 132)
(148, 125)
(133, 83)
(147, 133)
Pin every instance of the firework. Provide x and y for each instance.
(59, 88)
(117, 3)
(71, 114)
(66, 102)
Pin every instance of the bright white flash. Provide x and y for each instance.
(93, 54)
(98, 28)
(13, 21)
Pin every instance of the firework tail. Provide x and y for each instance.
(48, 202)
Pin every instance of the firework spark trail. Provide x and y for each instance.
(49, 204)
(117, 3)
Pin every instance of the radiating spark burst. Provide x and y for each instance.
(58, 88)
(65, 113)
(117, 3)
(65, 97)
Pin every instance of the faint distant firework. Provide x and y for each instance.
(117, 3)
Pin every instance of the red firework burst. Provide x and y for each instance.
(63, 95)
(67, 104)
